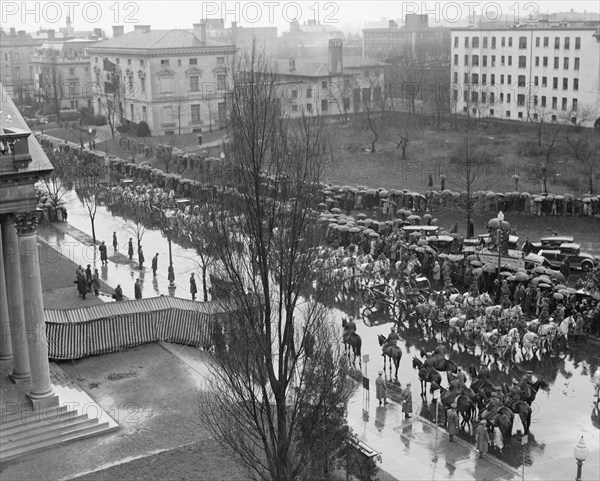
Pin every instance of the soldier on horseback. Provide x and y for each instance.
(393, 336)
(492, 407)
(514, 395)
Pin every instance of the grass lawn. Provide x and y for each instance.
(429, 152)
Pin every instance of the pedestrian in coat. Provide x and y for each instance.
(381, 389)
(137, 289)
(81, 286)
(452, 419)
(483, 438)
(407, 402)
(141, 257)
(103, 254)
(193, 288)
(88, 277)
(96, 282)
(130, 249)
(118, 295)
(437, 274)
(115, 243)
(155, 264)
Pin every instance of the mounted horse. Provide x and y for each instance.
(523, 406)
(392, 351)
(426, 375)
(352, 341)
(464, 406)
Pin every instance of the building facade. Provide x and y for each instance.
(530, 73)
(174, 80)
(265, 38)
(338, 85)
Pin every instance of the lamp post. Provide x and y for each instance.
(500, 218)
(580, 451)
(171, 276)
(91, 132)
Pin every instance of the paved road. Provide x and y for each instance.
(560, 416)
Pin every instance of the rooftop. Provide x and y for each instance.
(156, 40)
(320, 67)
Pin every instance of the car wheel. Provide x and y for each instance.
(586, 266)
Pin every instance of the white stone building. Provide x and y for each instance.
(524, 72)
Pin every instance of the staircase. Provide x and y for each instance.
(77, 417)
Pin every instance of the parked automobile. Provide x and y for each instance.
(552, 242)
(577, 259)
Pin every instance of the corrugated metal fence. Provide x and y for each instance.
(87, 331)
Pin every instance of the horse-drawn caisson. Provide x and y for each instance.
(382, 297)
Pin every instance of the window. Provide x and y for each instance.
(535, 116)
(466, 42)
(510, 60)
(521, 100)
(536, 80)
(493, 60)
(493, 42)
(556, 42)
(194, 83)
(195, 113)
(294, 108)
(507, 98)
(492, 97)
(128, 61)
(575, 84)
(455, 59)
(556, 62)
(566, 63)
(164, 63)
(475, 42)
(537, 61)
(509, 79)
(475, 79)
(546, 41)
(543, 100)
(483, 79)
(71, 71)
(521, 80)
(466, 60)
(567, 43)
(193, 61)
(143, 84)
(520, 115)
(493, 79)
(522, 42)
(132, 112)
(475, 60)
(144, 113)
(537, 41)
(165, 85)
(309, 107)
(535, 100)
(221, 81)
(576, 64)
(474, 97)
(324, 83)
(564, 104)
(347, 103)
(554, 103)
(504, 41)
(555, 83)
(510, 41)
(220, 60)
(522, 61)
(118, 61)
(483, 97)
(455, 42)
(294, 94)
(484, 61)
(466, 78)
(502, 61)
(179, 62)
(545, 61)
(324, 105)
(455, 77)
(508, 113)
(544, 81)
(577, 43)
(492, 112)
(501, 97)
(485, 42)
(141, 63)
(309, 93)
(501, 79)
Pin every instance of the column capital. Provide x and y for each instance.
(26, 222)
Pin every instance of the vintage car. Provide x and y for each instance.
(440, 243)
(577, 259)
(551, 242)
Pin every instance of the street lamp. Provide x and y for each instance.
(500, 218)
(580, 451)
(91, 132)
(171, 276)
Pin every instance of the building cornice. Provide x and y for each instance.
(170, 52)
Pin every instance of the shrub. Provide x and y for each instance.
(142, 129)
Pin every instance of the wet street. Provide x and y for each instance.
(561, 415)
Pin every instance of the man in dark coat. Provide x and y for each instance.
(118, 293)
(82, 287)
(407, 401)
(155, 264)
(137, 289)
(452, 419)
(193, 288)
(115, 243)
(130, 249)
(103, 254)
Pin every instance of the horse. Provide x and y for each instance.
(523, 407)
(391, 350)
(530, 342)
(503, 420)
(426, 375)
(464, 406)
(352, 340)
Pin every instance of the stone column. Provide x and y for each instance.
(14, 295)
(5, 345)
(41, 392)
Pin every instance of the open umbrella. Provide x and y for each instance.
(521, 276)
(559, 287)
(336, 210)
(476, 263)
(472, 257)
(421, 242)
(558, 276)
(544, 285)
(545, 279)
(511, 278)
(362, 216)
(415, 235)
(506, 274)
(354, 230)
(383, 193)
(374, 234)
(489, 268)
(414, 217)
(558, 295)
(343, 228)
(333, 226)
(478, 271)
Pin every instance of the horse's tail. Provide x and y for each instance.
(358, 345)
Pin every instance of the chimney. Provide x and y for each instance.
(118, 30)
(336, 65)
(13, 32)
(51, 34)
(392, 24)
(22, 33)
(98, 33)
(141, 28)
(292, 64)
(200, 30)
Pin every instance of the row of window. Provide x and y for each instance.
(522, 42)
(507, 114)
(166, 62)
(522, 61)
(521, 80)
(483, 98)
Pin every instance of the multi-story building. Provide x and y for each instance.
(62, 73)
(17, 73)
(310, 39)
(527, 72)
(174, 80)
(338, 85)
(264, 38)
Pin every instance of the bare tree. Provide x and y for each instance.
(110, 95)
(52, 81)
(137, 229)
(88, 190)
(277, 391)
(543, 157)
(403, 140)
(585, 150)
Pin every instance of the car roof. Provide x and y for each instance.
(570, 245)
(557, 239)
(511, 238)
(443, 238)
(423, 228)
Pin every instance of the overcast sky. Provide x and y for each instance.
(348, 15)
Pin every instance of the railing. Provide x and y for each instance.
(14, 150)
